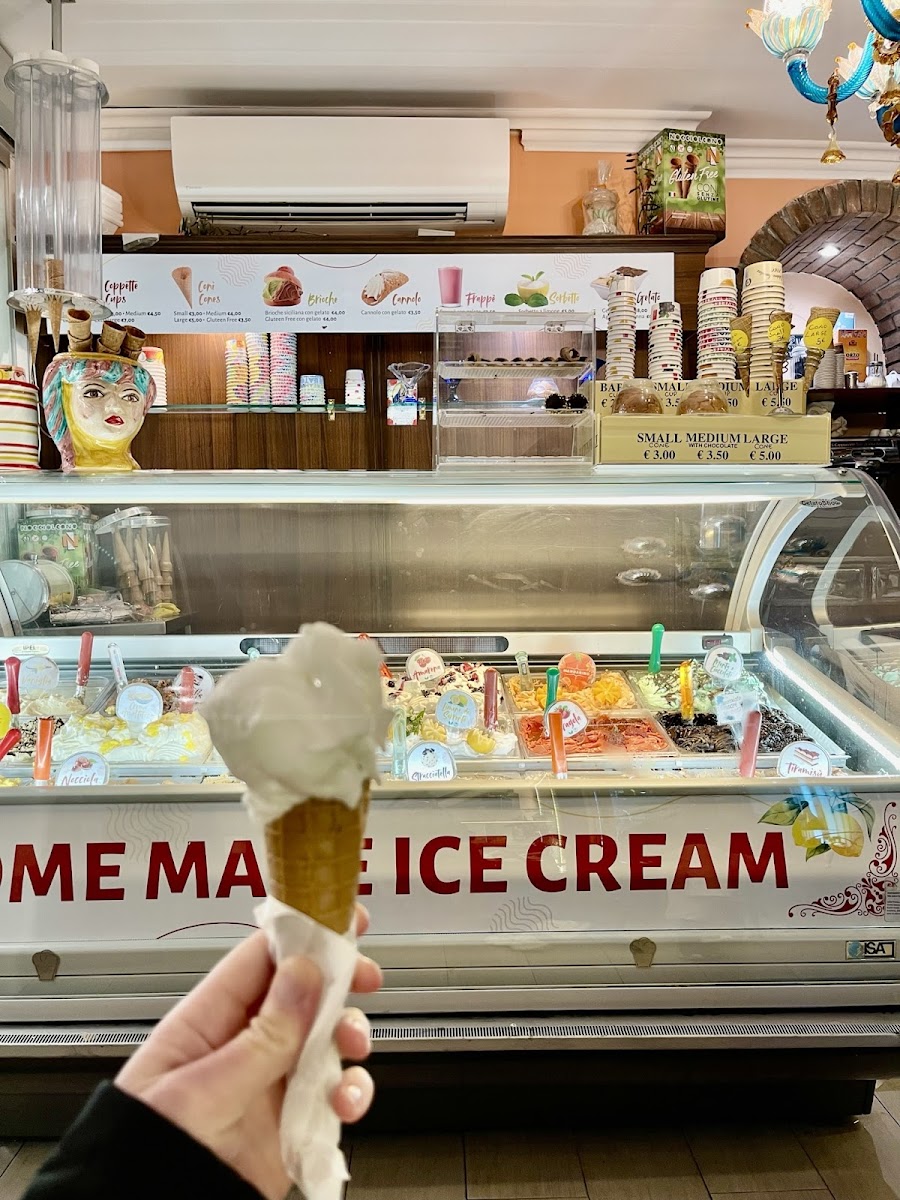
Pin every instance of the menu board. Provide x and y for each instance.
(347, 293)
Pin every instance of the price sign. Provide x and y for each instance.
(577, 671)
(457, 710)
(424, 666)
(138, 704)
(574, 719)
(38, 674)
(85, 769)
(724, 664)
(803, 758)
(430, 762)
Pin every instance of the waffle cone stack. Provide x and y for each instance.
(313, 854)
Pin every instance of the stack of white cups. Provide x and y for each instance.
(666, 341)
(621, 333)
(716, 306)
(763, 293)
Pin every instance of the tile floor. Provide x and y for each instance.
(857, 1160)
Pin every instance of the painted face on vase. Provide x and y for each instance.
(95, 406)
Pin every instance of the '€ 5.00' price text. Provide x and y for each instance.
(765, 456)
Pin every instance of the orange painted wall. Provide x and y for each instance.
(544, 195)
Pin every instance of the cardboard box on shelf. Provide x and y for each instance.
(681, 183)
(856, 351)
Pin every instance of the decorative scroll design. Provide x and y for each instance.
(866, 898)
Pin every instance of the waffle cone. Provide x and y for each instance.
(112, 335)
(814, 356)
(184, 278)
(54, 318)
(33, 318)
(743, 365)
(134, 341)
(313, 853)
(79, 320)
(779, 356)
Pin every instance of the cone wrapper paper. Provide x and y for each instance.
(310, 1130)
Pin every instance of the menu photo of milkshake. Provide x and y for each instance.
(450, 281)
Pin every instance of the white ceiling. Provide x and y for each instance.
(555, 54)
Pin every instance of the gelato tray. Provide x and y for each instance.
(610, 692)
(605, 735)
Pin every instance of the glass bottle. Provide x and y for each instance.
(601, 205)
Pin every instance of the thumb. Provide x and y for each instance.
(268, 1048)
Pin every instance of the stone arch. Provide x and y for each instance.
(862, 218)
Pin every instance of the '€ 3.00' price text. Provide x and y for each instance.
(656, 455)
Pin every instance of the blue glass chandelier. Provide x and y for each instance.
(791, 30)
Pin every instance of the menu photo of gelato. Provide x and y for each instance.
(282, 289)
(381, 285)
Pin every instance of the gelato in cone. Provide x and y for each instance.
(313, 853)
(184, 278)
(303, 730)
(33, 318)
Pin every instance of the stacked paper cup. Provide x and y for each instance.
(717, 304)
(258, 368)
(19, 424)
(826, 375)
(312, 390)
(666, 341)
(237, 372)
(154, 360)
(621, 330)
(283, 367)
(763, 292)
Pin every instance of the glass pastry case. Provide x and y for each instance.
(715, 835)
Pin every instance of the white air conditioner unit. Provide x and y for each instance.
(293, 174)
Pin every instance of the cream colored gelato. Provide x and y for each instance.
(174, 738)
(307, 723)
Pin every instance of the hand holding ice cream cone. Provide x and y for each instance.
(303, 730)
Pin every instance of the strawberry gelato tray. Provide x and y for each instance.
(610, 692)
(604, 735)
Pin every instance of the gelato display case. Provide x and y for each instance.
(708, 857)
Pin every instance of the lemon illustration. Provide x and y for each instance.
(529, 286)
(838, 830)
(481, 741)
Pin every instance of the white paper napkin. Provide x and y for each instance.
(310, 1130)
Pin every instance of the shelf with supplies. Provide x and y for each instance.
(549, 368)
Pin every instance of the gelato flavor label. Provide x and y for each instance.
(803, 758)
(577, 671)
(139, 704)
(203, 683)
(84, 769)
(732, 709)
(457, 710)
(38, 674)
(574, 719)
(724, 664)
(425, 666)
(430, 762)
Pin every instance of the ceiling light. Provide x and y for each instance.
(830, 250)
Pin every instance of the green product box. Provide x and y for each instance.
(681, 183)
(64, 538)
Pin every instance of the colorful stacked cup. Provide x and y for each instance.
(666, 341)
(154, 360)
(763, 293)
(717, 305)
(237, 374)
(621, 331)
(283, 367)
(19, 422)
(258, 368)
(312, 390)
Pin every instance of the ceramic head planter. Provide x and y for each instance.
(94, 405)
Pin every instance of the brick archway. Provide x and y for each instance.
(862, 218)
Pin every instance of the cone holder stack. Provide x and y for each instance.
(58, 205)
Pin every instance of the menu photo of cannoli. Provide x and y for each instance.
(381, 285)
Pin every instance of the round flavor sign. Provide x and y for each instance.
(202, 683)
(85, 769)
(139, 704)
(574, 719)
(803, 758)
(424, 666)
(457, 710)
(38, 674)
(577, 671)
(430, 762)
(724, 664)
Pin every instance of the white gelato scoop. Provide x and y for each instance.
(305, 723)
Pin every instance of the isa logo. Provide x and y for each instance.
(860, 951)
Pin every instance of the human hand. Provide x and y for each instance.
(216, 1065)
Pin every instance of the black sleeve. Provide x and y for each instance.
(119, 1147)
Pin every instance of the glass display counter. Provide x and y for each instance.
(654, 880)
